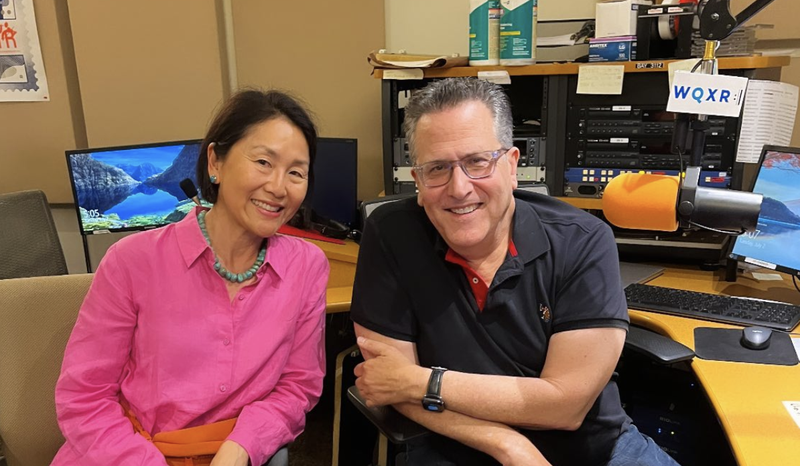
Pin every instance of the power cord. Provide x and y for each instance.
(724, 232)
(794, 280)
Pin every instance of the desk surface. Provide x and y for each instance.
(748, 398)
(342, 259)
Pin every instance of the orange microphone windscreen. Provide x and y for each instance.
(642, 202)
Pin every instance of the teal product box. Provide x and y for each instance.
(518, 32)
(612, 49)
(484, 31)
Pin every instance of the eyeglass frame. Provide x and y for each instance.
(451, 164)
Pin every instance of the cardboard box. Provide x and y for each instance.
(617, 18)
(612, 49)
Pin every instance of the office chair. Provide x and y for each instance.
(397, 429)
(29, 243)
(36, 318)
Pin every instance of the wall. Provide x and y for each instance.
(36, 134)
(320, 54)
(149, 71)
(423, 26)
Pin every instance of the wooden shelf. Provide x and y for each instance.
(548, 69)
(586, 203)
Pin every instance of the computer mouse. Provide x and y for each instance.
(756, 338)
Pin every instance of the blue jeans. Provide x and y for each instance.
(633, 448)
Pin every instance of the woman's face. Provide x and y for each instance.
(264, 178)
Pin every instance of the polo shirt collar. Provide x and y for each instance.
(528, 234)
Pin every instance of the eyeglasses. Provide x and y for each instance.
(475, 166)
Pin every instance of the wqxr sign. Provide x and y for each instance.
(705, 94)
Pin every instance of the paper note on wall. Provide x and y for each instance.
(600, 79)
(767, 118)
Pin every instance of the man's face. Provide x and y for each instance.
(472, 215)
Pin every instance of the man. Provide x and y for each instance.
(517, 295)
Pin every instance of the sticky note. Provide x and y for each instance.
(600, 79)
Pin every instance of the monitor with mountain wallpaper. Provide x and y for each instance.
(131, 188)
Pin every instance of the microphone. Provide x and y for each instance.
(664, 203)
(187, 185)
(642, 202)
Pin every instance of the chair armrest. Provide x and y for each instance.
(659, 348)
(396, 427)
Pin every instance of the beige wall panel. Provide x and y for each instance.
(36, 134)
(318, 50)
(424, 26)
(782, 13)
(149, 71)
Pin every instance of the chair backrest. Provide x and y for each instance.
(36, 319)
(537, 187)
(29, 244)
(367, 207)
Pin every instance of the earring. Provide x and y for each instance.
(213, 179)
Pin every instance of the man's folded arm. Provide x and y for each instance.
(495, 439)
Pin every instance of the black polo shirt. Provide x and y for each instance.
(565, 276)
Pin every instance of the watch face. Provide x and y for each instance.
(432, 403)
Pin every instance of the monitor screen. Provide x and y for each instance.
(775, 244)
(132, 187)
(335, 182)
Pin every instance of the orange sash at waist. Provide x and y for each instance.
(194, 446)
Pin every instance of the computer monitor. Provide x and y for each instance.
(131, 188)
(775, 244)
(335, 180)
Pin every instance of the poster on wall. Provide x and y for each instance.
(22, 76)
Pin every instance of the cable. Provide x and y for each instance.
(724, 232)
(794, 280)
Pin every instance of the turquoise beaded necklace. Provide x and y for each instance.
(227, 275)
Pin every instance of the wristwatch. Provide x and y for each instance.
(432, 401)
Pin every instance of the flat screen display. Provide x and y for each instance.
(335, 180)
(132, 187)
(775, 243)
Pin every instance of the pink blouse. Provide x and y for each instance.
(158, 327)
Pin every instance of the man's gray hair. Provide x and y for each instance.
(449, 93)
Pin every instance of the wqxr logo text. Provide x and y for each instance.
(707, 94)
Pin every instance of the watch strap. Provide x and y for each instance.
(435, 381)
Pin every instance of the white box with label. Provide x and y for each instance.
(617, 17)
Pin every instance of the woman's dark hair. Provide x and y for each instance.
(240, 113)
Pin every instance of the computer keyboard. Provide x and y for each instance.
(719, 308)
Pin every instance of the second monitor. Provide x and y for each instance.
(335, 180)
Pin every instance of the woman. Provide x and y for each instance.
(211, 318)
